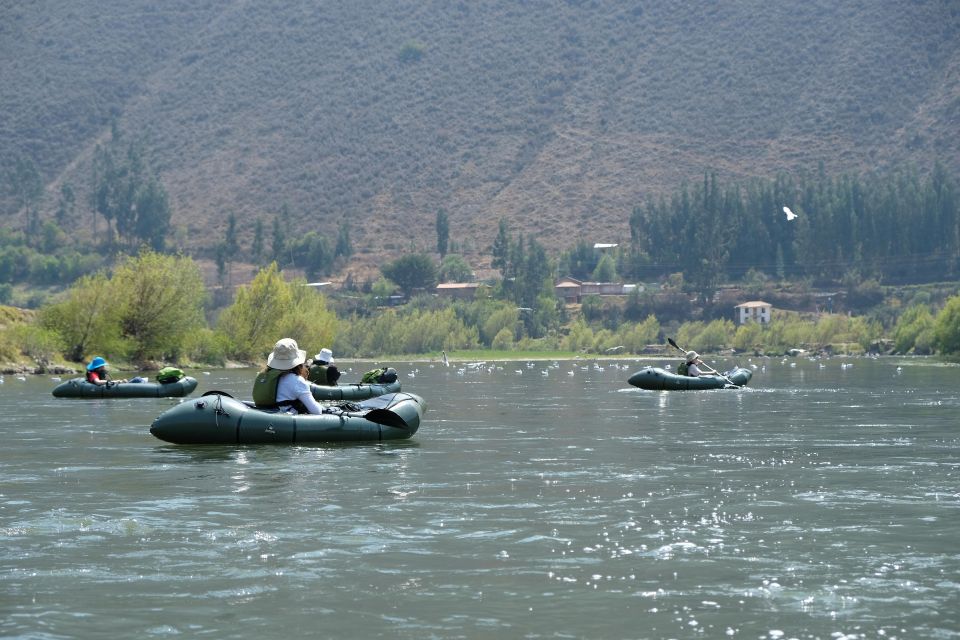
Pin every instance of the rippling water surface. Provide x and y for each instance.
(540, 501)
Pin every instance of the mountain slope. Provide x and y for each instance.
(559, 116)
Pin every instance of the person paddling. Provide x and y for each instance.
(689, 367)
(97, 373)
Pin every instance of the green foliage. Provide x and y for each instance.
(748, 337)
(503, 341)
(946, 328)
(129, 196)
(501, 247)
(914, 331)
(860, 229)
(412, 271)
(269, 308)
(606, 270)
(86, 320)
(344, 245)
(205, 346)
(159, 300)
(504, 318)
(407, 331)
(454, 268)
(145, 311)
(313, 253)
(50, 263)
(443, 233)
(581, 261)
(716, 335)
(37, 342)
(382, 289)
(24, 182)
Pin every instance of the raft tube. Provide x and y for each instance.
(216, 418)
(657, 379)
(356, 391)
(80, 388)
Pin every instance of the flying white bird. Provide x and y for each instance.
(790, 214)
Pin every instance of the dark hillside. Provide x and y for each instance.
(560, 116)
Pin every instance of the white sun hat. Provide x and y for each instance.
(286, 354)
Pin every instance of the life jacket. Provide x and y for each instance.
(319, 374)
(100, 376)
(265, 391)
(683, 368)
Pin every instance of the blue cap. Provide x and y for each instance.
(96, 363)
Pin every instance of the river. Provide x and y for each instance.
(537, 500)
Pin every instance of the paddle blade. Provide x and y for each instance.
(674, 345)
(386, 417)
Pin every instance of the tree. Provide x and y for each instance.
(279, 241)
(313, 253)
(344, 246)
(454, 268)
(946, 328)
(153, 214)
(501, 247)
(159, 301)
(66, 205)
(24, 183)
(606, 270)
(129, 196)
(914, 330)
(256, 247)
(269, 308)
(86, 320)
(533, 274)
(443, 233)
(412, 271)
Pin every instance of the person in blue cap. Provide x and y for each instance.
(97, 372)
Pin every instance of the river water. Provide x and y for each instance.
(536, 501)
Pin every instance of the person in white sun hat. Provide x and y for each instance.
(323, 372)
(283, 383)
(689, 366)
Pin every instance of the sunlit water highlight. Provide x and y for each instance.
(820, 502)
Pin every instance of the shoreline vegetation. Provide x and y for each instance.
(152, 310)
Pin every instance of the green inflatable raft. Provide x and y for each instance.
(657, 379)
(356, 391)
(80, 388)
(217, 418)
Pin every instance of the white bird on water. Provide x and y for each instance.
(790, 214)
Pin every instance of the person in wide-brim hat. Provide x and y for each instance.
(286, 354)
(97, 372)
(283, 384)
(323, 372)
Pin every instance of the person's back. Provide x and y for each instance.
(322, 371)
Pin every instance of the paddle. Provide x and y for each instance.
(706, 366)
(386, 417)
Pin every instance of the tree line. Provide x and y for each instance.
(152, 308)
(896, 227)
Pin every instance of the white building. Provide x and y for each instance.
(754, 311)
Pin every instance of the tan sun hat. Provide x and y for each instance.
(286, 354)
(692, 356)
